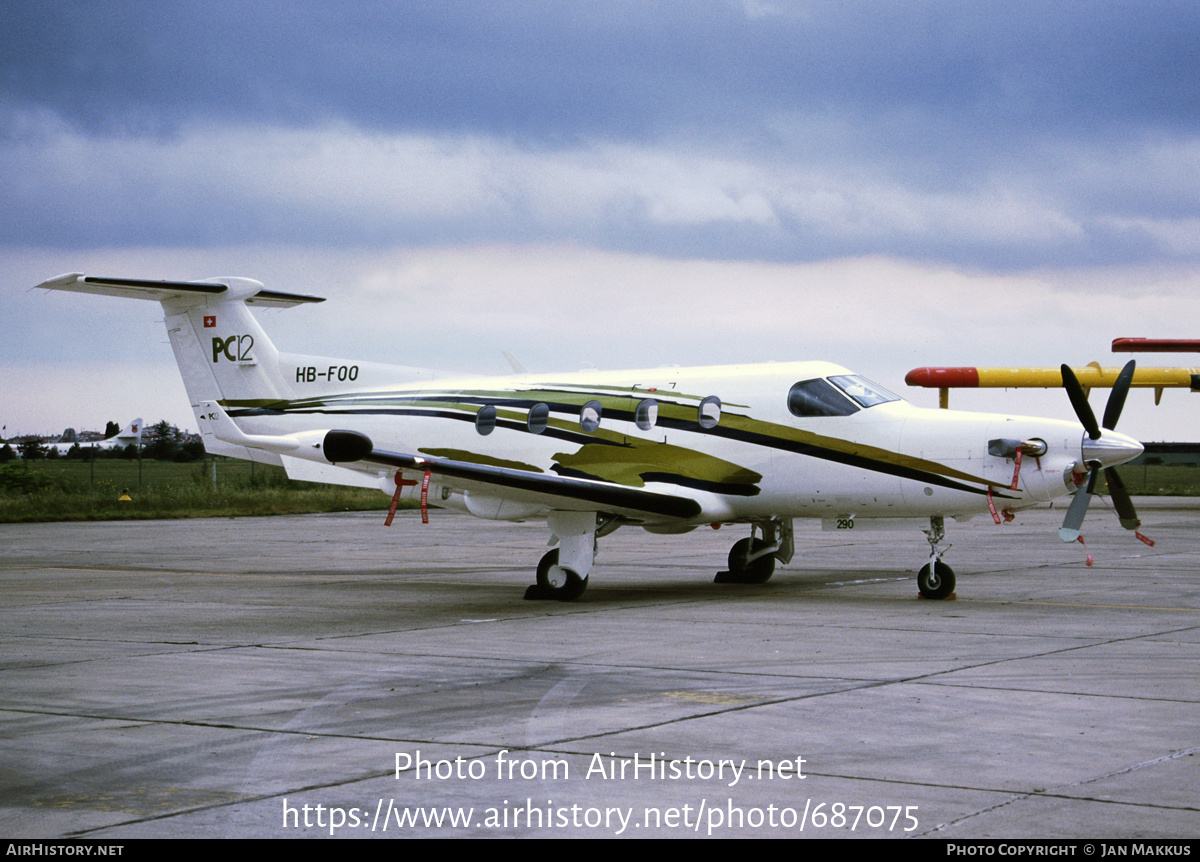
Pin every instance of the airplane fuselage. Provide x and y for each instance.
(730, 435)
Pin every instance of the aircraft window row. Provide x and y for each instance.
(645, 416)
(708, 414)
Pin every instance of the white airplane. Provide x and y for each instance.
(666, 449)
(130, 434)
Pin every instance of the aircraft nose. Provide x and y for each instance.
(1111, 449)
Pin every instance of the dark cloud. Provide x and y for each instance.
(986, 133)
(548, 70)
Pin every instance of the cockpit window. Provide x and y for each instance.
(861, 390)
(818, 398)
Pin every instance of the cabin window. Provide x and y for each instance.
(818, 398)
(539, 418)
(646, 415)
(862, 390)
(709, 413)
(589, 416)
(485, 419)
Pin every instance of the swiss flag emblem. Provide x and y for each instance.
(210, 320)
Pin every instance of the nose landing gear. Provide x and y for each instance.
(935, 580)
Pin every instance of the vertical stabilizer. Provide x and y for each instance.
(131, 434)
(223, 353)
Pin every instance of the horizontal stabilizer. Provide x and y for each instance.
(132, 288)
(215, 421)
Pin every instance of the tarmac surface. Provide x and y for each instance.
(266, 677)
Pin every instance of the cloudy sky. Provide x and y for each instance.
(604, 184)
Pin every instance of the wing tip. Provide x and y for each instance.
(61, 280)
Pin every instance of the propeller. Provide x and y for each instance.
(1116, 488)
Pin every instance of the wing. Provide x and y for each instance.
(552, 491)
(340, 447)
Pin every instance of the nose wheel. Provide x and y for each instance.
(935, 580)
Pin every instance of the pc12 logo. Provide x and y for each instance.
(235, 348)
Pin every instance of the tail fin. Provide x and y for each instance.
(131, 433)
(222, 351)
(225, 356)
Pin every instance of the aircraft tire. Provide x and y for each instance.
(754, 572)
(555, 582)
(936, 581)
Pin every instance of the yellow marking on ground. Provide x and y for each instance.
(715, 698)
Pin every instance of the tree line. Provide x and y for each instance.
(164, 442)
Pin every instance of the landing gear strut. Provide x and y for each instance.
(936, 579)
(752, 560)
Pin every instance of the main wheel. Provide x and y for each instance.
(743, 570)
(557, 582)
(936, 581)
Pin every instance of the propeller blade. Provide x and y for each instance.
(1079, 401)
(1121, 500)
(1078, 509)
(1116, 400)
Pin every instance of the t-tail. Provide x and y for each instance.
(223, 353)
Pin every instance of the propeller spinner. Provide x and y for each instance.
(1101, 451)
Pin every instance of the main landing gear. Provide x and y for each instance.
(555, 582)
(562, 574)
(752, 560)
(936, 579)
